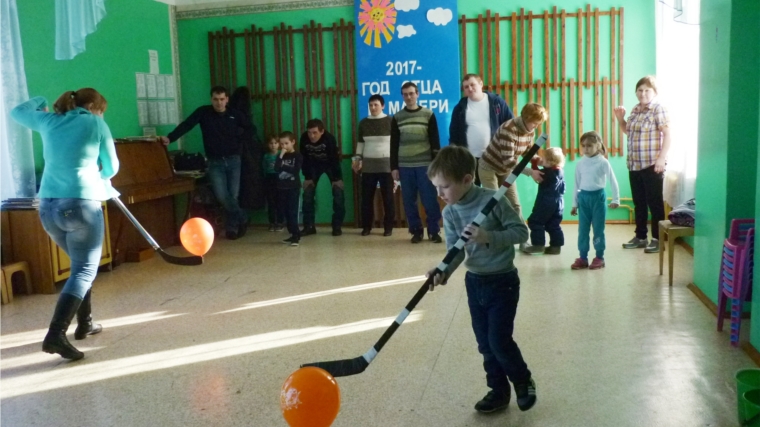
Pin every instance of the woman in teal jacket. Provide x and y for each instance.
(80, 160)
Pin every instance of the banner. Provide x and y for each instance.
(409, 40)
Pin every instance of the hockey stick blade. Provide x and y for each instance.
(180, 260)
(342, 368)
(171, 259)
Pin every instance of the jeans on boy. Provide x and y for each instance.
(224, 175)
(288, 206)
(309, 208)
(592, 211)
(77, 227)
(646, 191)
(413, 180)
(493, 306)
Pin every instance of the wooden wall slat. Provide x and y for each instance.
(620, 79)
(481, 71)
(497, 76)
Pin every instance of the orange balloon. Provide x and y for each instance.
(310, 397)
(197, 236)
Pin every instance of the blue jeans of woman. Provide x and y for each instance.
(592, 212)
(224, 175)
(415, 180)
(493, 305)
(77, 227)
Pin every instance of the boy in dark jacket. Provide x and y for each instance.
(547, 211)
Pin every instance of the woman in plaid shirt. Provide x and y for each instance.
(648, 146)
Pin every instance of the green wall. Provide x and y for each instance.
(639, 61)
(728, 129)
(114, 53)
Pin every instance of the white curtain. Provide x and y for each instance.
(16, 153)
(74, 20)
(678, 87)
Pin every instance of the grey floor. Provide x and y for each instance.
(212, 345)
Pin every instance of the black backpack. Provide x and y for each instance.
(189, 162)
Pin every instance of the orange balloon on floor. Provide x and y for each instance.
(197, 236)
(310, 397)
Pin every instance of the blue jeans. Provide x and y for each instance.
(77, 227)
(309, 207)
(493, 306)
(224, 175)
(592, 211)
(414, 180)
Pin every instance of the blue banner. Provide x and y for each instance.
(409, 40)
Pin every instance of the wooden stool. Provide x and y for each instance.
(672, 232)
(7, 291)
(17, 267)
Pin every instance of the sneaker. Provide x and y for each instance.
(493, 401)
(308, 230)
(553, 250)
(596, 264)
(294, 243)
(365, 232)
(288, 241)
(526, 394)
(635, 243)
(534, 250)
(416, 238)
(522, 247)
(579, 264)
(279, 227)
(435, 238)
(337, 232)
(388, 232)
(242, 229)
(653, 247)
(272, 227)
(231, 235)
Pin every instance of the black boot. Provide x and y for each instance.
(55, 340)
(84, 320)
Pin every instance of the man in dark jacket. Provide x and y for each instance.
(321, 155)
(476, 117)
(222, 129)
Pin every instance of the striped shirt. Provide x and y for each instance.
(505, 227)
(414, 138)
(644, 128)
(374, 144)
(509, 142)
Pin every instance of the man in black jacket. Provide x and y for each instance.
(221, 128)
(476, 117)
(321, 155)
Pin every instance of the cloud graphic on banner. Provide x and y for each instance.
(439, 16)
(406, 31)
(407, 5)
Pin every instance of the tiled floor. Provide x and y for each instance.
(212, 345)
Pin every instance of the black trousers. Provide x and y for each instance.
(646, 189)
(270, 191)
(369, 184)
(289, 208)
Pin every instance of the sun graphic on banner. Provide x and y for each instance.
(377, 17)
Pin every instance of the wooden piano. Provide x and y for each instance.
(147, 184)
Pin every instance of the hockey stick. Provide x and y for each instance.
(357, 365)
(171, 259)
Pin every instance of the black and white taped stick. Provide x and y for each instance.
(171, 259)
(357, 365)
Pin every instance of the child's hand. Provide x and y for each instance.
(439, 279)
(475, 235)
(614, 205)
(574, 211)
